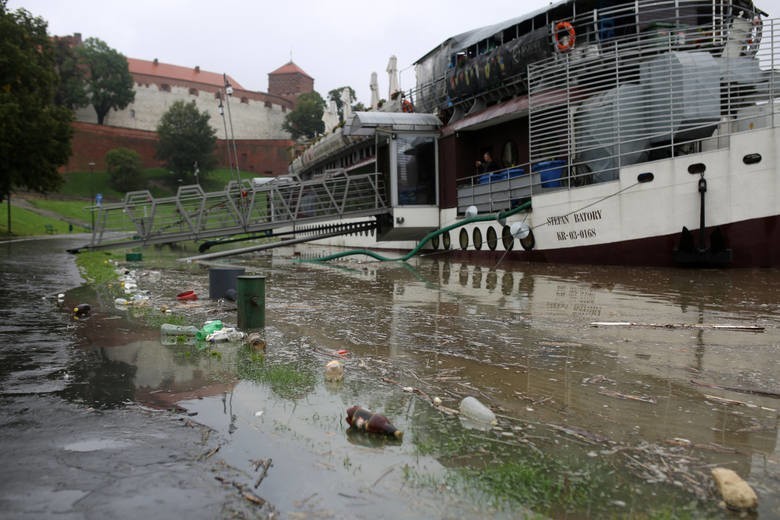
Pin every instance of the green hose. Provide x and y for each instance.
(426, 238)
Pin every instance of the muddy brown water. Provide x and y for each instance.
(593, 421)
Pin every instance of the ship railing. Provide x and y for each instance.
(662, 97)
(503, 189)
(597, 31)
(242, 207)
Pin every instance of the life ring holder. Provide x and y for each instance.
(754, 36)
(406, 106)
(564, 43)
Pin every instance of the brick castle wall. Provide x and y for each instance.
(289, 85)
(91, 142)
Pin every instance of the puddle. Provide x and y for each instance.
(592, 421)
(96, 445)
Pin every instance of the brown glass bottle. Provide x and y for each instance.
(364, 420)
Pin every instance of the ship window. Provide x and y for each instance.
(509, 154)
(507, 239)
(696, 168)
(492, 238)
(416, 169)
(752, 158)
(464, 239)
(476, 236)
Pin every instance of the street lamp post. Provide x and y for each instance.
(92, 194)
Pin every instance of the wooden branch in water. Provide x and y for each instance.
(618, 395)
(753, 391)
(740, 328)
(265, 465)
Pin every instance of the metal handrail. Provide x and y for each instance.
(240, 208)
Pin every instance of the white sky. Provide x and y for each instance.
(337, 43)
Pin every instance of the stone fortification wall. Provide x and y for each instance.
(91, 142)
(255, 115)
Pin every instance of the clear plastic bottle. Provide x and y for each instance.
(171, 334)
(471, 408)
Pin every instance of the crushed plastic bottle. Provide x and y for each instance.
(476, 415)
(225, 334)
(171, 334)
(208, 328)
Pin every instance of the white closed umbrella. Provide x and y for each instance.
(392, 71)
(374, 86)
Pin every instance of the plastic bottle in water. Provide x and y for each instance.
(225, 334)
(477, 414)
(171, 334)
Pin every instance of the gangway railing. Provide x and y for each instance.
(245, 207)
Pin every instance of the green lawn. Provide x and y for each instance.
(78, 193)
(71, 209)
(28, 223)
(158, 181)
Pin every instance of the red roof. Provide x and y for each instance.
(176, 72)
(289, 68)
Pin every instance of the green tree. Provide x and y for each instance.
(35, 133)
(335, 95)
(71, 92)
(306, 119)
(187, 141)
(109, 82)
(124, 169)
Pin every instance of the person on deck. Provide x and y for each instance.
(486, 164)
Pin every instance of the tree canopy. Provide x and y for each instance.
(187, 140)
(124, 169)
(35, 133)
(306, 119)
(71, 92)
(109, 82)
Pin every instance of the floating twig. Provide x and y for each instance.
(752, 391)
(741, 328)
(265, 464)
(618, 395)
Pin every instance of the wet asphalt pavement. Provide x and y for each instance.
(68, 460)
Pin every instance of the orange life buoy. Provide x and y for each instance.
(754, 36)
(407, 106)
(564, 43)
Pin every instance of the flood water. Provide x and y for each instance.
(593, 421)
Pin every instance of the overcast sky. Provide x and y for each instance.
(336, 42)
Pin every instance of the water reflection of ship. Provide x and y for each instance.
(561, 348)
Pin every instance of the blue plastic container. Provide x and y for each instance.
(484, 178)
(551, 173)
(499, 176)
(515, 172)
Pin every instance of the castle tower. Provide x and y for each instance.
(289, 81)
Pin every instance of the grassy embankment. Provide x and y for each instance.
(56, 212)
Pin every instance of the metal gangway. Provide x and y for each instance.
(246, 207)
